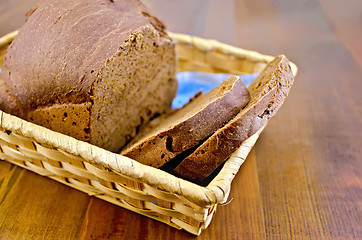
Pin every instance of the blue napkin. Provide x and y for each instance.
(189, 83)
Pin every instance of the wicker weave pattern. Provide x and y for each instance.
(120, 180)
(96, 181)
(204, 55)
(113, 187)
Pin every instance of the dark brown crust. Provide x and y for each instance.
(159, 149)
(213, 152)
(59, 56)
(32, 10)
(268, 93)
(65, 54)
(7, 100)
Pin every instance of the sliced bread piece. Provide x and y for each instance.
(268, 92)
(173, 133)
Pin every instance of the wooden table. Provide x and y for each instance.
(302, 180)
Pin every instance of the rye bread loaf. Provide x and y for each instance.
(96, 70)
(174, 133)
(268, 92)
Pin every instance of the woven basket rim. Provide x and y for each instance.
(211, 44)
(216, 192)
(200, 195)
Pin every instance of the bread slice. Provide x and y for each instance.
(268, 92)
(171, 134)
(95, 70)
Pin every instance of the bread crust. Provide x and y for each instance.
(162, 146)
(268, 93)
(72, 45)
(7, 100)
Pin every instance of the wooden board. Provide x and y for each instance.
(301, 181)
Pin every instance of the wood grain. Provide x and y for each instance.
(303, 178)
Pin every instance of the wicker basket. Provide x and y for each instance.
(123, 181)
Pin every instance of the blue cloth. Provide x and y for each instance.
(189, 83)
